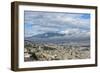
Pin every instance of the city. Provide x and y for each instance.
(47, 52)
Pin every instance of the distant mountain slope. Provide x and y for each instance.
(48, 35)
(57, 38)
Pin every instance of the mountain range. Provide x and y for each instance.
(55, 37)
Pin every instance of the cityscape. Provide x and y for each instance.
(52, 36)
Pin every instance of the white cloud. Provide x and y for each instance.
(70, 31)
(76, 33)
(68, 23)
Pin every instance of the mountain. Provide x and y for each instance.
(56, 38)
(48, 35)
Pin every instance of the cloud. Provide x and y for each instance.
(70, 31)
(76, 33)
(42, 22)
(42, 18)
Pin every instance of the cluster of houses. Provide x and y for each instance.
(42, 52)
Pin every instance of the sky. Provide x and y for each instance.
(36, 22)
